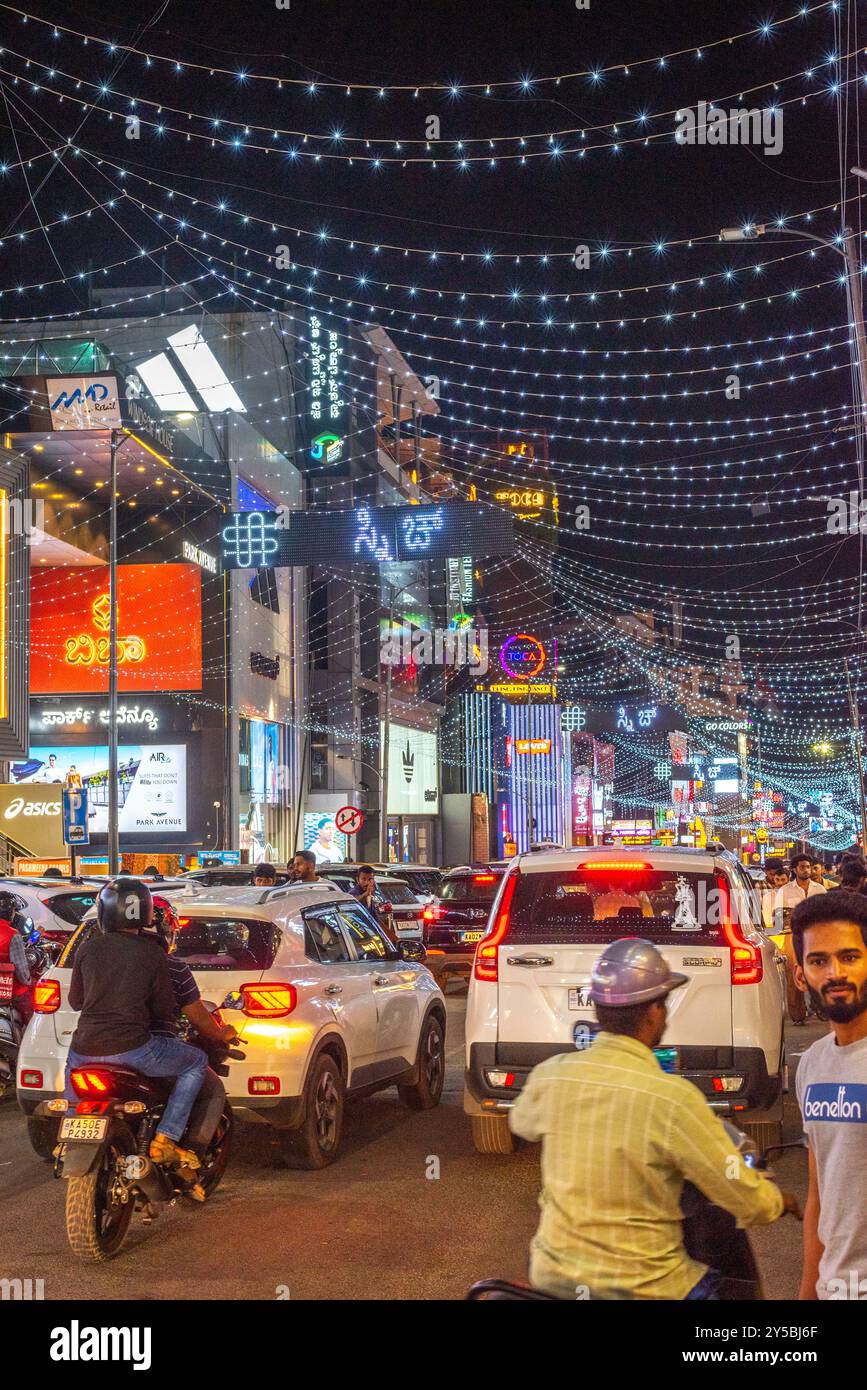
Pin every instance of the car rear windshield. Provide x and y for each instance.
(419, 881)
(206, 943)
(470, 888)
(231, 880)
(586, 905)
(71, 907)
(395, 891)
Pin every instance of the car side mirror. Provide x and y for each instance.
(412, 950)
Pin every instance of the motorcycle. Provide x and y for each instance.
(12, 1025)
(711, 1235)
(103, 1151)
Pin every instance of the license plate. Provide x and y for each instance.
(580, 998)
(83, 1129)
(472, 935)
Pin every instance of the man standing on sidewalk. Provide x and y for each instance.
(787, 899)
(829, 936)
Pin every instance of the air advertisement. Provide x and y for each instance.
(152, 784)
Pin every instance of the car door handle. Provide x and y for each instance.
(334, 989)
(381, 980)
(530, 960)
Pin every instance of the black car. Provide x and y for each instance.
(457, 919)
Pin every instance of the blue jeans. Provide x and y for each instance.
(158, 1057)
(707, 1288)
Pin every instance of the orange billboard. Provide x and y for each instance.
(159, 634)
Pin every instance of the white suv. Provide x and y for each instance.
(529, 994)
(325, 1006)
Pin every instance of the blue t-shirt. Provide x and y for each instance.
(186, 992)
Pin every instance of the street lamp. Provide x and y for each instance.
(825, 748)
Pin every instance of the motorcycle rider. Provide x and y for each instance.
(12, 953)
(209, 1103)
(121, 983)
(619, 1138)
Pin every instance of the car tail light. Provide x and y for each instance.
(746, 956)
(46, 996)
(485, 965)
(431, 914)
(52, 934)
(90, 1083)
(263, 1085)
(614, 865)
(184, 921)
(271, 999)
(32, 1079)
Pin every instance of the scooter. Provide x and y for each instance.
(102, 1152)
(12, 1025)
(711, 1235)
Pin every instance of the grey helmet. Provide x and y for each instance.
(632, 971)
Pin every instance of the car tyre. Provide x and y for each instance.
(491, 1134)
(42, 1135)
(316, 1143)
(425, 1093)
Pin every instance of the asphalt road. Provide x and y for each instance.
(374, 1225)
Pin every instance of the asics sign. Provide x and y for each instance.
(83, 402)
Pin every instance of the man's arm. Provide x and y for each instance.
(813, 1247)
(526, 1117)
(18, 958)
(204, 1023)
(706, 1156)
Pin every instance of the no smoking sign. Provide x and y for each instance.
(349, 820)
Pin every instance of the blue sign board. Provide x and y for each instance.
(75, 828)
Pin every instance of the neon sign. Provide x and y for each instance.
(86, 650)
(328, 407)
(522, 656)
(250, 541)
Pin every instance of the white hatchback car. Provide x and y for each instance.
(325, 1007)
(529, 995)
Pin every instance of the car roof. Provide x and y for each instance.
(462, 870)
(680, 856)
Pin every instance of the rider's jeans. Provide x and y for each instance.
(158, 1057)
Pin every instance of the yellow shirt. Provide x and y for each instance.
(620, 1136)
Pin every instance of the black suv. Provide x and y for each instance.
(457, 919)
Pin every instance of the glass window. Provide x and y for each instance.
(474, 888)
(395, 891)
(323, 938)
(226, 943)
(71, 907)
(587, 905)
(368, 940)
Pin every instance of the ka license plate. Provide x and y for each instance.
(580, 998)
(472, 935)
(83, 1129)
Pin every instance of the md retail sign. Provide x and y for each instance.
(83, 402)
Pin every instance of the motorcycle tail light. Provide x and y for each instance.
(90, 1083)
(46, 997)
(270, 999)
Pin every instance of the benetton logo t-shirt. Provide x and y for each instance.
(831, 1084)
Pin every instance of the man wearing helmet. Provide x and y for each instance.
(12, 953)
(619, 1138)
(121, 985)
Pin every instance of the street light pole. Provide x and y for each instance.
(856, 740)
(113, 837)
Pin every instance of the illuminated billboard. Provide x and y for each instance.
(152, 784)
(159, 629)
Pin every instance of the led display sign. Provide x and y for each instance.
(628, 719)
(328, 448)
(159, 629)
(373, 535)
(152, 784)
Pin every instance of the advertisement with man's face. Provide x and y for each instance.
(152, 784)
(322, 836)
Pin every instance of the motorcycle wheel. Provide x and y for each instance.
(96, 1222)
(216, 1158)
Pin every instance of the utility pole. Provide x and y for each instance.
(386, 740)
(113, 836)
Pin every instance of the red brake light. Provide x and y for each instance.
(614, 865)
(184, 921)
(485, 965)
(746, 957)
(89, 1083)
(484, 878)
(46, 996)
(430, 914)
(271, 999)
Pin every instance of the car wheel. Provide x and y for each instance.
(491, 1134)
(42, 1135)
(425, 1093)
(316, 1143)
